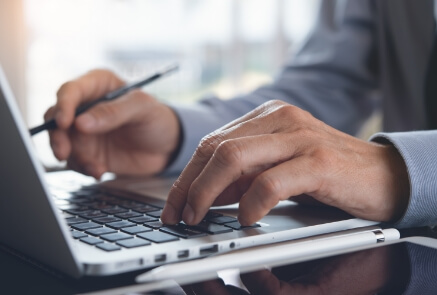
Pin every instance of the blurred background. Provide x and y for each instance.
(224, 47)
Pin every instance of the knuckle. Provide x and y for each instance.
(49, 113)
(65, 88)
(208, 145)
(228, 153)
(288, 111)
(305, 133)
(291, 112)
(177, 188)
(275, 103)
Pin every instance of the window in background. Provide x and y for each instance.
(223, 46)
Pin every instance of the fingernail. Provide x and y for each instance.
(243, 222)
(168, 215)
(188, 214)
(87, 121)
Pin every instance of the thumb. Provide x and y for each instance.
(108, 116)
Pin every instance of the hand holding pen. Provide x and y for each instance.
(51, 124)
(134, 134)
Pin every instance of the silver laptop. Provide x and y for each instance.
(81, 228)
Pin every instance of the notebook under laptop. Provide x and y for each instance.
(115, 235)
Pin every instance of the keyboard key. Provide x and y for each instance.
(101, 205)
(77, 209)
(86, 193)
(105, 198)
(211, 228)
(133, 230)
(158, 237)
(100, 231)
(108, 247)
(78, 234)
(132, 243)
(212, 214)
(236, 225)
(156, 213)
(108, 219)
(182, 231)
(222, 219)
(130, 204)
(68, 207)
(129, 214)
(143, 219)
(115, 210)
(120, 224)
(154, 224)
(79, 200)
(92, 214)
(145, 209)
(74, 220)
(85, 225)
(115, 237)
(91, 240)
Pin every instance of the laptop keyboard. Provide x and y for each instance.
(112, 223)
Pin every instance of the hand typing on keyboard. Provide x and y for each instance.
(279, 151)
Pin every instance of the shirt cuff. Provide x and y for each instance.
(419, 151)
(197, 120)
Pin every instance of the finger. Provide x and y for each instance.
(59, 140)
(60, 144)
(231, 160)
(85, 88)
(291, 178)
(85, 156)
(232, 194)
(107, 116)
(49, 113)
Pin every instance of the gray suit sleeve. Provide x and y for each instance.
(419, 151)
(331, 76)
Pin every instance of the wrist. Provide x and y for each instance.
(397, 182)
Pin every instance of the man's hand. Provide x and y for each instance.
(134, 134)
(279, 151)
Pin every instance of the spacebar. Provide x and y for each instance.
(182, 231)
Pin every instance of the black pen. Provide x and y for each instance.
(51, 124)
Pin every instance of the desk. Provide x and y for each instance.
(385, 270)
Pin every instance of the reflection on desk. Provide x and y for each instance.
(397, 269)
(404, 268)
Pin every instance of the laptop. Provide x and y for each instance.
(80, 227)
